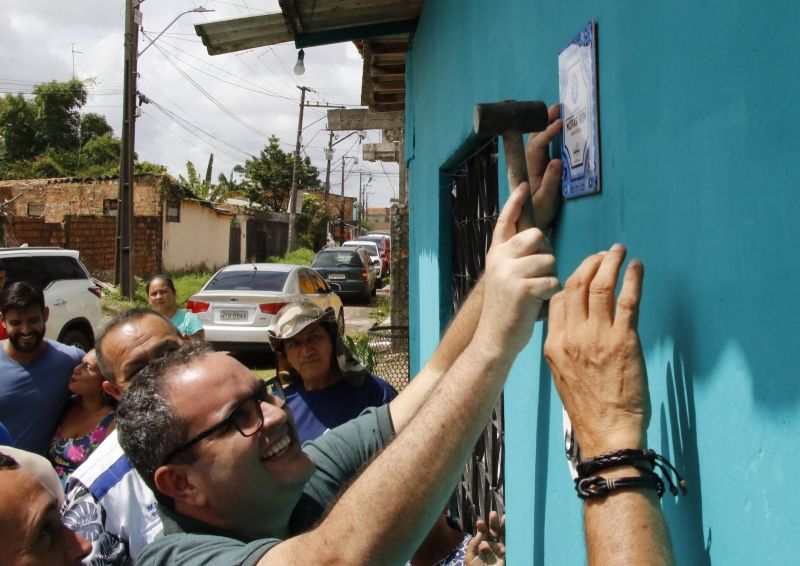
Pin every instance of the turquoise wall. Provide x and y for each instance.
(699, 136)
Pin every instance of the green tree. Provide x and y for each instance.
(47, 136)
(93, 126)
(312, 224)
(18, 128)
(58, 115)
(268, 178)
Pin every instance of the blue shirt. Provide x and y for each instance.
(33, 397)
(186, 322)
(5, 436)
(316, 412)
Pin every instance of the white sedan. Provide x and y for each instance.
(238, 303)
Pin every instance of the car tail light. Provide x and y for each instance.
(271, 308)
(97, 291)
(364, 274)
(197, 306)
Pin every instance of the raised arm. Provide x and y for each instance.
(381, 522)
(545, 179)
(595, 356)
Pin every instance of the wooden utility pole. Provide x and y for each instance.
(123, 258)
(295, 173)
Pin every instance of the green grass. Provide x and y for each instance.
(381, 309)
(301, 256)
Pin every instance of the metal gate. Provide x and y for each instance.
(474, 213)
(235, 243)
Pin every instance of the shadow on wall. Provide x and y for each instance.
(679, 443)
(542, 460)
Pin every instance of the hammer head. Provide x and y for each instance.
(521, 116)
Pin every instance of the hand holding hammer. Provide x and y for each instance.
(510, 119)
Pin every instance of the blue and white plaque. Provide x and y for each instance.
(577, 86)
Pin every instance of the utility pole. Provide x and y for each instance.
(123, 258)
(328, 157)
(341, 212)
(295, 173)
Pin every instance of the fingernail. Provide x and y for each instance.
(617, 246)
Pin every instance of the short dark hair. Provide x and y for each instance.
(125, 316)
(21, 295)
(166, 278)
(7, 462)
(149, 427)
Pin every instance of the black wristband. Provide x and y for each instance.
(646, 461)
(598, 486)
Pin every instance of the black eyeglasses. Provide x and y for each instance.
(246, 417)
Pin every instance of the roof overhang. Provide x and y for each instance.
(381, 30)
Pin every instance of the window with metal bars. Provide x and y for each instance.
(473, 185)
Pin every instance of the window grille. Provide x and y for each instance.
(474, 213)
(110, 206)
(35, 209)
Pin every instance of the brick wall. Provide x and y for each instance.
(93, 237)
(65, 197)
(34, 232)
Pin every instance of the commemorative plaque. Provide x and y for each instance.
(577, 86)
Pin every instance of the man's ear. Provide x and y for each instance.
(45, 313)
(112, 390)
(174, 482)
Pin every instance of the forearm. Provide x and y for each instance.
(378, 521)
(627, 527)
(455, 341)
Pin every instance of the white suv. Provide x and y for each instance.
(69, 291)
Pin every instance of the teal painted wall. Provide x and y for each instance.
(699, 136)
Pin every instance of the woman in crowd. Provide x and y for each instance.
(88, 420)
(162, 298)
(328, 386)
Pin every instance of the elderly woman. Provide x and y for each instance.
(88, 420)
(328, 385)
(163, 299)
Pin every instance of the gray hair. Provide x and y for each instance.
(129, 315)
(149, 427)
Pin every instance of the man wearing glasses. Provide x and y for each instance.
(106, 500)
(234, 486)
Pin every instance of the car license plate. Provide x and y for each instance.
(336, 276)
(233, 315)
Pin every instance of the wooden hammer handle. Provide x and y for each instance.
(518, 173)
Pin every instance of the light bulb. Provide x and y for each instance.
(299, 67)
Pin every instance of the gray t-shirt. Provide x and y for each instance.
(339, 455)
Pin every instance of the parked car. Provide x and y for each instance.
(70, 293)
(349, 268)
(239, 301)
(374, 255)
(384, 244)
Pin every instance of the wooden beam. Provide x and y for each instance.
(384, 151)
(363, 119)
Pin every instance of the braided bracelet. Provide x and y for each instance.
(587, 484)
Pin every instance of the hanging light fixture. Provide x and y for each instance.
(299, 67)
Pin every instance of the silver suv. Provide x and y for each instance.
(69, 291)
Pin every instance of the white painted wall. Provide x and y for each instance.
(201, 237)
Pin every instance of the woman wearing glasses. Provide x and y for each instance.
(89, 418)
